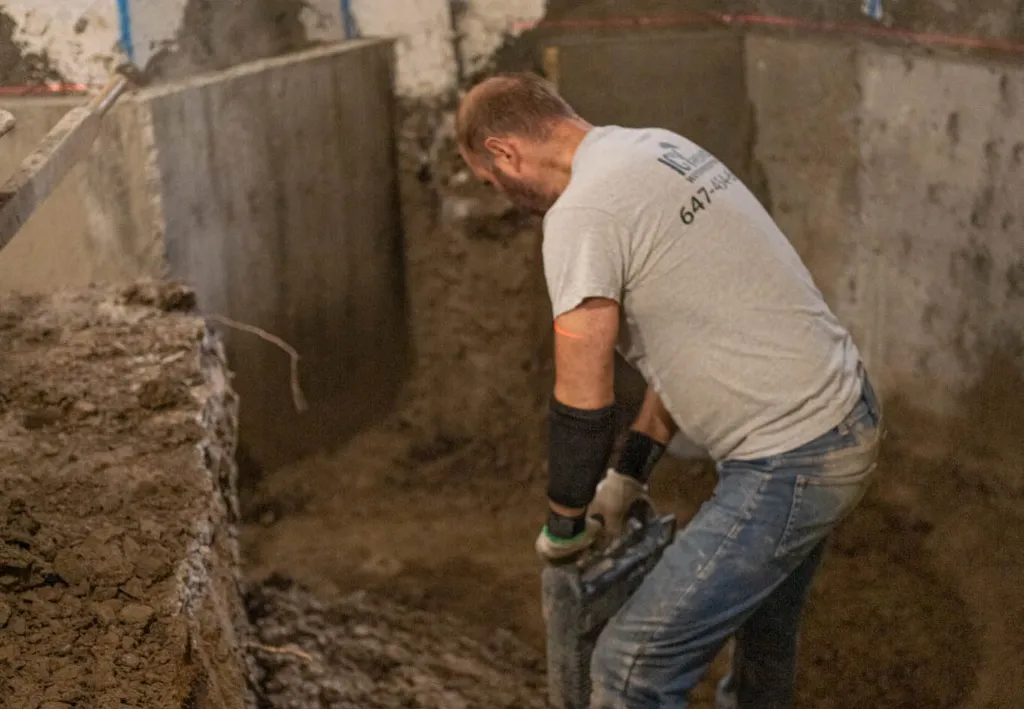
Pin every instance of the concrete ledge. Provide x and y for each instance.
(118, 559)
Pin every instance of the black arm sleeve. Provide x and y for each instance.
(639, 455)
(580, 442)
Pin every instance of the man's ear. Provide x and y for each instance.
(501, 150)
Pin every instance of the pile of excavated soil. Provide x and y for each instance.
(358, 653)
(118, 571)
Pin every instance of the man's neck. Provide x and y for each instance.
(567, 139)
(569, 136)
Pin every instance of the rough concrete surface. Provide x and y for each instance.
(982, 18)
(898, 177)
(806, 99)
(118, 561)
(20, 66)
(70, 40)
(692, 82)
(945, 294)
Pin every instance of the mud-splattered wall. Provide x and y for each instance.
(45, 41)
(80, 39)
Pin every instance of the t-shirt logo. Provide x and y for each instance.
(689, 166)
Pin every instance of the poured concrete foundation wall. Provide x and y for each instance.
(271, 188)
(282, 209)
(900, 177)
(982, 18)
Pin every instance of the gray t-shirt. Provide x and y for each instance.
(719, 314)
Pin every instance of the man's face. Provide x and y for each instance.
(515, 178)
(522, 193)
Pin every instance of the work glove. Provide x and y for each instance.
(554, 550)
(615, 496)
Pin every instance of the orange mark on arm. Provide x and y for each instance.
(566, 333)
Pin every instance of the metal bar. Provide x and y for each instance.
(109, 95)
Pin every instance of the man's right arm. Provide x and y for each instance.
(647, 439)
(625, 483)
(654, 420)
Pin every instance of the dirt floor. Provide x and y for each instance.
(437, 509)
(884, 629)
(361, 652)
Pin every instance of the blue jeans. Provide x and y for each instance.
(740, 569)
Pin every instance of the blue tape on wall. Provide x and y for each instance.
(873, 9)
(348, 20)
(125, 24)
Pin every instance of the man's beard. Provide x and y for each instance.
(522, 195)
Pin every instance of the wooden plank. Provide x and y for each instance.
(41, 172)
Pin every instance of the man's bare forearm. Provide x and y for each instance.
(654, 419)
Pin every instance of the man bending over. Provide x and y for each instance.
(652, 246)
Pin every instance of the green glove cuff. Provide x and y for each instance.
(559, 540)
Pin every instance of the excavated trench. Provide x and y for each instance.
(398, 571)
(436, 509)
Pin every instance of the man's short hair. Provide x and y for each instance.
(522, 104)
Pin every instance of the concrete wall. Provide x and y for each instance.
(272, 188)
(980, 18)
(899, 177)
(668, 84)
(282, 209)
